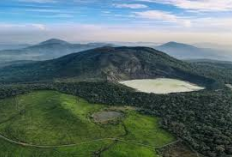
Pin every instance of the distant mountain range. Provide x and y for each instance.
(213, 46)
(46, 50)
(185, 51)
(12, 46)
(55, 48)
(105, 63)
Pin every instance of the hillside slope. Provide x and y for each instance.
(15, 63)
(106, 63)
(219, 70)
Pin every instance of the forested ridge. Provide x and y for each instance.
(105, 63)
(203, 119)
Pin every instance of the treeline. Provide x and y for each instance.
(203, 119)
(17, 89)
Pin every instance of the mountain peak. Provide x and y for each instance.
(53, 41)
(176, 44)
(172, 42)
(105, 63)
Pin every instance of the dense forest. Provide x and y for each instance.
(202, 119)
(220, 71)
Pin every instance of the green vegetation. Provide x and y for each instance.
(83, 150)
(203, 119)
(106, 63)
(129, 150)
(220, 71)
(49, 123)
(52, 118)
(140, 127)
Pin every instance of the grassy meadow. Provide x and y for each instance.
(52, 124)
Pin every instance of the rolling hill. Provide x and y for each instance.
(50, 49)
(105, 63)
(53, 124)
(185, 51)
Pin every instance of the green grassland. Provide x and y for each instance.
(52, 124)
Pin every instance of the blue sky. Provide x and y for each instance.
(116, 20)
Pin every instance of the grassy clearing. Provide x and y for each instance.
(161, 86)
(129, 150)
(146, 130)
(51, 118)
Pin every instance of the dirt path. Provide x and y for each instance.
(71, 145)
(116, 139)
(98, 153)
(52, 146)
(74, 144)
(169, 144)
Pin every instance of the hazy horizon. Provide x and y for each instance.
(33, 21)
(18, 45)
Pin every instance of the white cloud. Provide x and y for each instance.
(213, 24)
(56, 12)
(162, 16)
(200, 24)
(131, 6)
(39, 26)
(106, 12)
(22, 27)
(44, 10)
(187, 23)
(39, 1)
(198, 5)
(133, 33)
(156, 15)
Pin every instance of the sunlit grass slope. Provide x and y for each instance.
(52, 124)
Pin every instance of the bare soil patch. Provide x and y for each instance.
(105, 116)
(178, 150)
